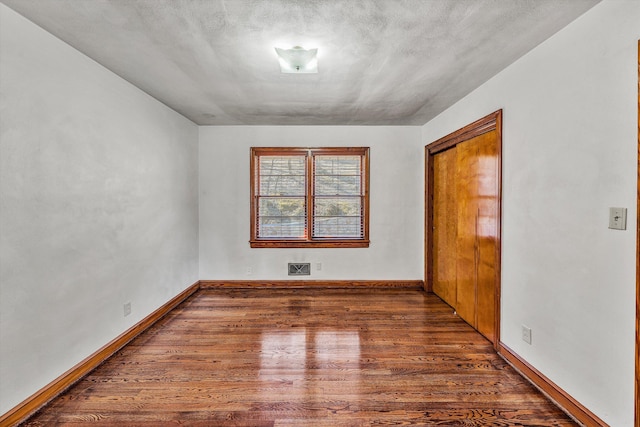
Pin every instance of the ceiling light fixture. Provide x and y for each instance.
(298, 60)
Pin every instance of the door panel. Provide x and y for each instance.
(444, 226)
(466, 231)
(488, 220)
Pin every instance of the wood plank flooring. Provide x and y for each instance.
(306, 357)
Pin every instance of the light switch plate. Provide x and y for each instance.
(618, 218)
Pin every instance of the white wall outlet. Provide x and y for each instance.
(318, 266)
(618, 218)
(249, 270)
(127, 309)
(526, 334)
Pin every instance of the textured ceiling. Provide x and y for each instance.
(381, 62)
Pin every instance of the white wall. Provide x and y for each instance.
(396, 173)
(570, 152)
(98, 193)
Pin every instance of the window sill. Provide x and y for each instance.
(309, 244)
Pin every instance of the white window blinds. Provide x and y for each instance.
(309, 196)
(337, 196)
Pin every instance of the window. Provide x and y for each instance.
(309, 197)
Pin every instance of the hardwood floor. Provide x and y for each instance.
(306, 357)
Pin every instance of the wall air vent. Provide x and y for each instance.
(299, 269)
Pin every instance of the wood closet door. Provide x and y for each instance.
(488, 207)
(465, 230)
(467, 225)
(477, 197)
(462, 218)
(445, 223)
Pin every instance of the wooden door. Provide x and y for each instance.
(466, 260)
(444, 226)
(463, 223)
(488, 219)
(478, 216)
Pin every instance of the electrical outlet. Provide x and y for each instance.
(318, 266)
(526, 334)
(127, 309)
(249, 270)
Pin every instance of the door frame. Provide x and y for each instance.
(637, 387)
(486, 124)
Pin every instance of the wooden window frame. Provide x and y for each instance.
(309, 241)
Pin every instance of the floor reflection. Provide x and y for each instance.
(337, 346)
(313, 364)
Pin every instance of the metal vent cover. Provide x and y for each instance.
(299, 268)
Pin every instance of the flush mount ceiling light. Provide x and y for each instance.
(298, 60)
